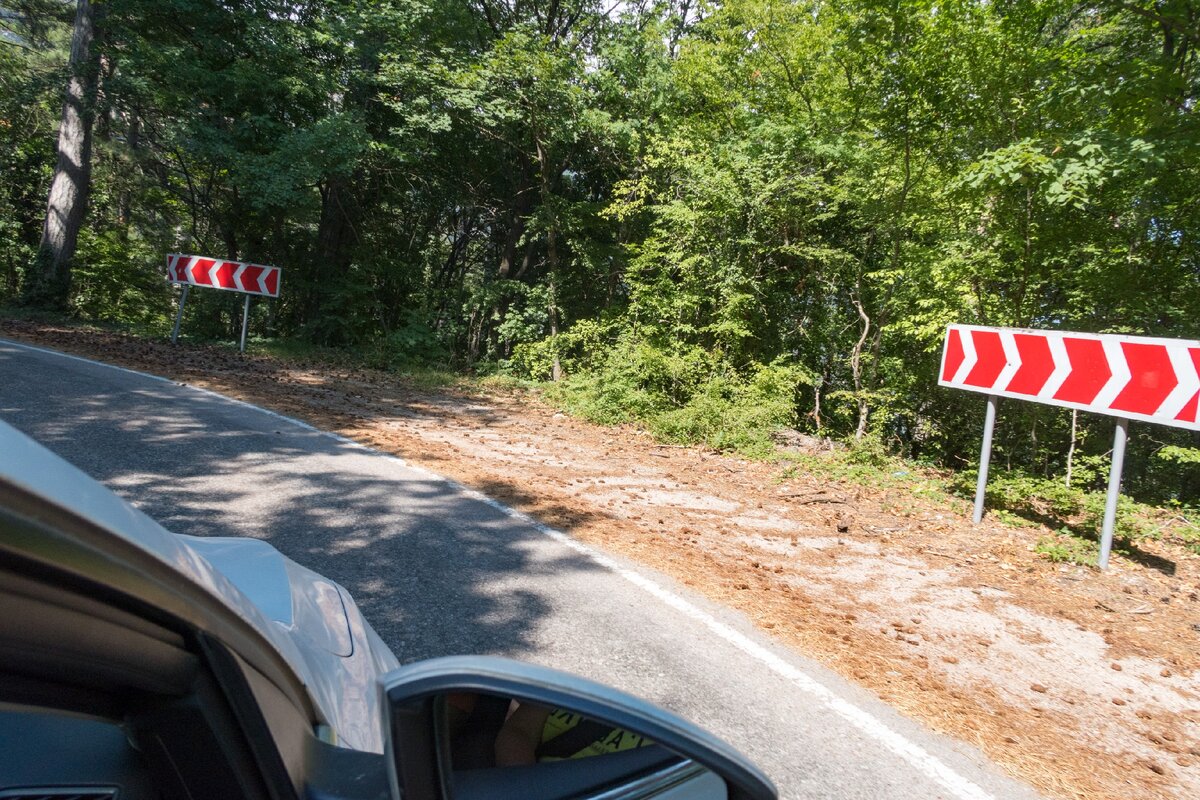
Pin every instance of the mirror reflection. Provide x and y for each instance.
(489, 731)
(561, 753)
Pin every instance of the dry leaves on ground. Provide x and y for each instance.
(1082, 683)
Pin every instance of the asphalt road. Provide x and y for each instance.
(439, 570)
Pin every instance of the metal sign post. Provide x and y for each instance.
(1114, 491)
(245, 320)
(985, 456)
(179, 316)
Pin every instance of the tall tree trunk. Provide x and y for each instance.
(67, 201)
(133, 138)
(864, 408)
(556, 371)
(516, 219)
(337, 233)
(1071, 449)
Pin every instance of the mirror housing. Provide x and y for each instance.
(418, 756)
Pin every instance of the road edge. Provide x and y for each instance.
(918, 757)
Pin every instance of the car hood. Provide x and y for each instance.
(301, 602)
(312, 622)
(342, 655)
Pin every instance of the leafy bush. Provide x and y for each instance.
(577, 350)
(1068, 549)
(121, 279)
(415, 342)
(1040, 498)
(728, 414)
(1180, 455)
(683, 394)
(627, 387)
(1075, 514)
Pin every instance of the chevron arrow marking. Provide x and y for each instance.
(1114, 354)
(234, 276)
(1152, 379)
(1036, 363)
(1187, 383)
(237, 277)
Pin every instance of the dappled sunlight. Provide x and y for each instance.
(456, 574)
(816, 559)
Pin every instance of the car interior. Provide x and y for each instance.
(99, 703)
(475, 774)
(101, 697)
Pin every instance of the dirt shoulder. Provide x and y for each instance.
(1081, 683)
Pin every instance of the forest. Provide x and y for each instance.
(717, 219)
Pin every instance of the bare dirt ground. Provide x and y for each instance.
(1084, 684)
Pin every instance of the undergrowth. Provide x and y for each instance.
(868, 463)
(1076, 516)
(685, 395)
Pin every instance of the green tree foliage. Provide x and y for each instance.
(718, 218)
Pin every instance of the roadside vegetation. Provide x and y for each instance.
(720, 221)
(1072, 514)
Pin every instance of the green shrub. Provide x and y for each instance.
(121, 279)
(1076, 515)
(413, 343)
(684, 395)
(578, 349)
(1179, 455)
(1068, 549)
(726, 413)
(605, 398)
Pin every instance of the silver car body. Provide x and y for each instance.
(313, 623)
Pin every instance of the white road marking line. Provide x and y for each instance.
(61, 354)
(199, 389)
(916, 756)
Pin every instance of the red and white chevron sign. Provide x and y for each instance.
(1137, 377)
(217, 273)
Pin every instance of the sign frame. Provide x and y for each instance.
(1114, 348)
(181, 270)
(1179, 406)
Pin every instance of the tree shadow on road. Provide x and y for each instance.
(434, 570)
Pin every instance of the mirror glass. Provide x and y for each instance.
(499, 747)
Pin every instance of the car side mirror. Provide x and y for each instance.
(474, 727)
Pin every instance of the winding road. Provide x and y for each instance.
(439, 569)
